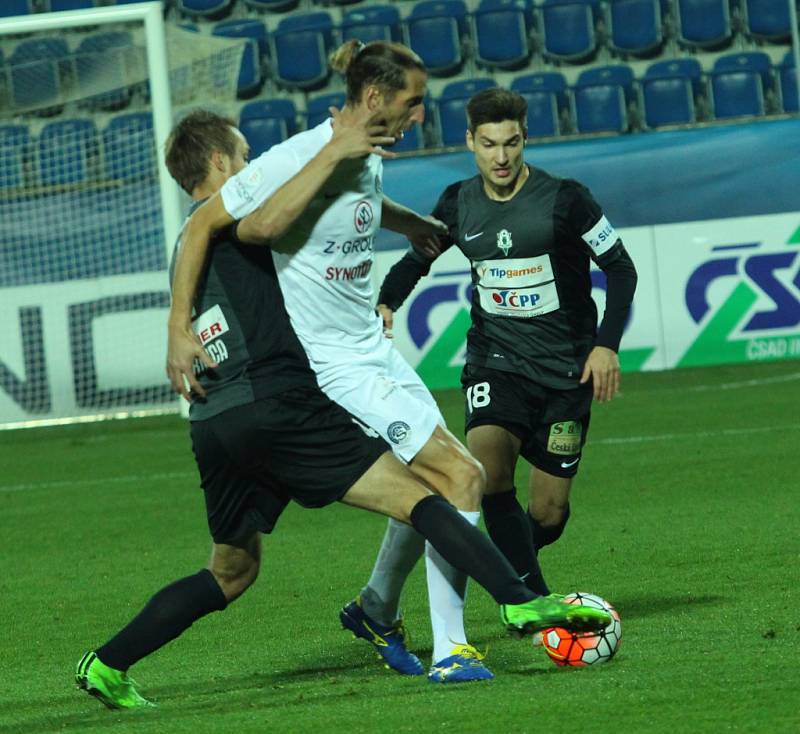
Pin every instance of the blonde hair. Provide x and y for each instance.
(382, 63)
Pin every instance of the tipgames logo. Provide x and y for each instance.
(752, 322)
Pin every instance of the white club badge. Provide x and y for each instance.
(504, 242)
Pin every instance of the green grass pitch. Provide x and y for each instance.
(685, 516)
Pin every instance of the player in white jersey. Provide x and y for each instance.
(323, 247)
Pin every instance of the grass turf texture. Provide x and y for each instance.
(685, 516)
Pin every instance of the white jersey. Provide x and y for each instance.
(326, 283)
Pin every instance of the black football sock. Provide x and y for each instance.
(169, 613)
(468, 549)
(509, 529)
(546, 534)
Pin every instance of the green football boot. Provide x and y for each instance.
(549, 611)
(112, 687)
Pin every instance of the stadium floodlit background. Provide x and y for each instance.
(680, 115)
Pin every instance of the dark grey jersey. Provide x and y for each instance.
(240, 319)
(532, 309)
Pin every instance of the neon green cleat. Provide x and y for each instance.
(549, 611)
(112, 687)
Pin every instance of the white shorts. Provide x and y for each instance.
(385, 393)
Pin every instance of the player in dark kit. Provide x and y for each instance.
(535, 356)
(264, 433)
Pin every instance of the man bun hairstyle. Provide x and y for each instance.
(193, 141)
(381, 63)
(496, 105)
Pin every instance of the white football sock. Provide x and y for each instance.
(447, 593)
(401, 549)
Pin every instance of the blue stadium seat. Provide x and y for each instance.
(601, 99)
(267, 122)
(99, 60)
(129, 151)
(16, 7)
(739, 83)
(55, 6)
(502, 32)
(317, 108)
(634, 27)
(436, 30)
(64, 150)
(669, 90)
(452, 108)
(373, 23)
(546, 95)
(413, 140)
(788, 84)
(704, 24)
(14, 143)
(567, 29)
(36, 69)
(300, 47)
(275, 6)
(212, 9)
(767, 20)
(257, 49)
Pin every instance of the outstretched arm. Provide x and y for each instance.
(423, 232)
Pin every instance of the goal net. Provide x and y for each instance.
(88, 214)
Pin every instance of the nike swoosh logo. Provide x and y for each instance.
(568, 464)
(470, 237)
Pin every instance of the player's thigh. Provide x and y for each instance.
(548, 496)
(387, 487)
(382, 396)
(497, 450)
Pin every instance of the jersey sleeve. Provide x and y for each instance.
(446, 210)
(243, 193)
(620, 286)
(587, 224)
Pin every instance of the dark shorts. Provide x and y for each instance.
(551, 424)
(254, 458)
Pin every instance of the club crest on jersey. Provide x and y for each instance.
(504, 242)
(363, 216)
(398, 432)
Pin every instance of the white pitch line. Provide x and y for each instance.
(791, 377)
(696, 434)
(125, 479)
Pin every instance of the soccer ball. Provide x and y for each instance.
(584, 648)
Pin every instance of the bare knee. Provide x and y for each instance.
(467, 482)
(235, 569)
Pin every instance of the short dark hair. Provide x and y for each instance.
(193, 141)
(496, 105)
(381, 63)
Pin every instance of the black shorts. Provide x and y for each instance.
(551, 424)
(254, 458)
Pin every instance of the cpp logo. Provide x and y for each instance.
(762, 272)
(363, 216)
(514, 299)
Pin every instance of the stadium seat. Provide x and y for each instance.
(602, 96)
(634, 27)
(436, 30)
(567, 29)
(548, 105)
(101, 60)
(267, 122)
(55, 6)
(255, 33)
(275, 6)
(669, 91)
(36, 69)
(16, 7)
(300, 47)
(788, 84)
(502, 31)
(211, 9)
(739, 84)
(704, 24)
(452, 108)
(64, 150)
(14, 142)
(129, 151)
(767, 20)
(317, 108)
(374, 23)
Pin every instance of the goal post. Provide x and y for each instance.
(89, 214)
